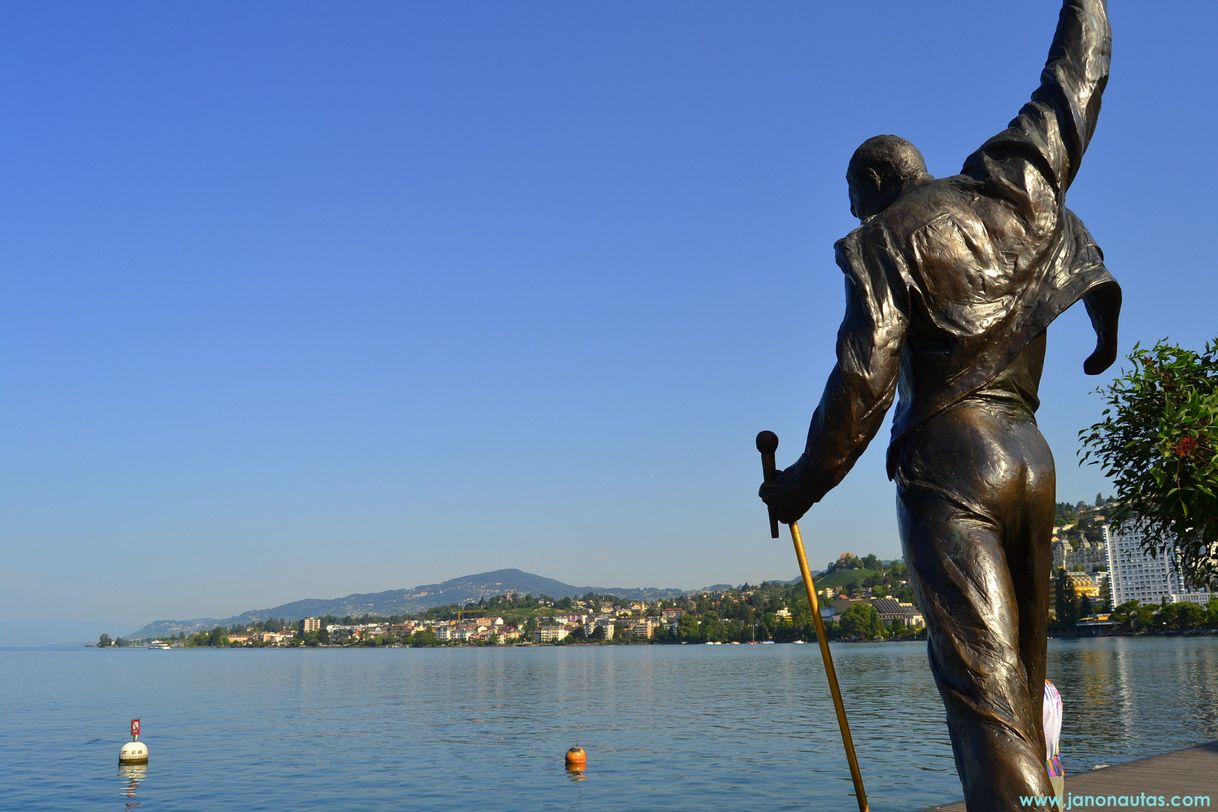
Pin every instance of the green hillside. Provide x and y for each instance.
(840, 579)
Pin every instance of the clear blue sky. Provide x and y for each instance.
(307, 299)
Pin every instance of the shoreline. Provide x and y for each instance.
(916, 639)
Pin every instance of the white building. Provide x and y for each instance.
(1135, 576)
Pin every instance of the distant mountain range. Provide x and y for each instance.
(466, 589)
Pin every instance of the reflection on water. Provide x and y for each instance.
(1130, 697)
(132, 774)
(665, 727)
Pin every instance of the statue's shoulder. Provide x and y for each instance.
(854, 245)
(849, 242)
(936, 200)
(868, 250)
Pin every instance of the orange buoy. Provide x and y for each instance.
(577, 759)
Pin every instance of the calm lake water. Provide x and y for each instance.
(665, 727)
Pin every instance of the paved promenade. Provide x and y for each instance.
(1192, 771)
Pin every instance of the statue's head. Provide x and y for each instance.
(882, 169)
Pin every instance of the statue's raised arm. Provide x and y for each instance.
(1052, 130)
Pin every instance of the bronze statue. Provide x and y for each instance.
(950, 286)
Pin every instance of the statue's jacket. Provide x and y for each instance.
(946, 286)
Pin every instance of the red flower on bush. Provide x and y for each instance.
(1186, 446)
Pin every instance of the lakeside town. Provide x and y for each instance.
(1103, 584)
(861, 598)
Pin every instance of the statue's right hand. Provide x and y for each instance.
(784, 497)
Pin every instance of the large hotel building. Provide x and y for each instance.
(1135, 576)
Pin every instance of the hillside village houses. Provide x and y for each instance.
(1080, 547)
(640, 620)
(1094, 563)
(586, 619)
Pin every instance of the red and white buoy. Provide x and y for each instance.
(134, 751)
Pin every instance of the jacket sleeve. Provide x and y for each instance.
(863, 381)
(1052, 130)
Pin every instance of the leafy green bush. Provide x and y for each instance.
(1158, 442)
